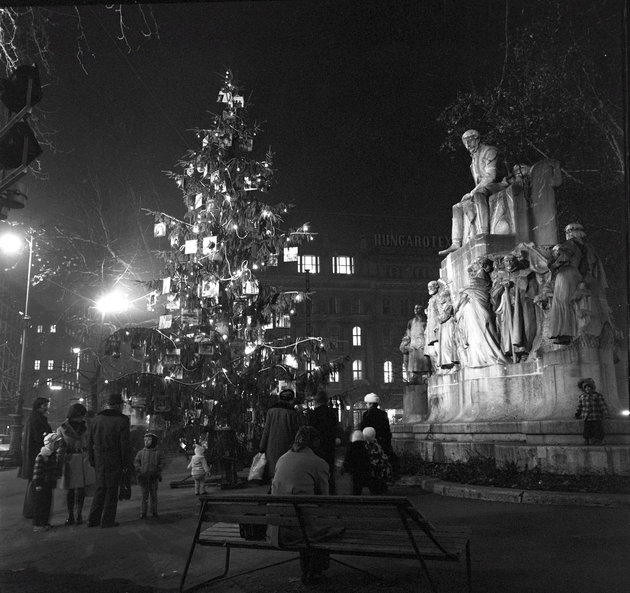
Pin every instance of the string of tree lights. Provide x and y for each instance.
(221, 343)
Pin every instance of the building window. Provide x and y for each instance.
(53, 329)
(357, 370)
(387, 306)
(386, 336)
(356, 336)
(343, 265)
(334, 305)
(51, 365)
(40, 329)
(308, 262)
(48, 382)
(358, 308)
(334, 377)
(37, 364)
(388, 372)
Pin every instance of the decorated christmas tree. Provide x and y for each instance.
(216, 356)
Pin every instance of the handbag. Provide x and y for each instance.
(124, 490)
(257, 469)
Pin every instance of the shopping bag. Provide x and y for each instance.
(257, 469)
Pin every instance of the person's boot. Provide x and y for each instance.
(455, 245)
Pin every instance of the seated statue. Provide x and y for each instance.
(475, 319)
(470, 215)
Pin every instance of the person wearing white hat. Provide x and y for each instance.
(378, 420)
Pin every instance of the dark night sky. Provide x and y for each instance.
(348, 93)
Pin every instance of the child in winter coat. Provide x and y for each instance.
(148, 464)
(380, 466)
(198, 467)
(46, 471)
(593, 409)
(357, 462)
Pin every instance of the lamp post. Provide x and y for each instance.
(12, 243)
(112, 302)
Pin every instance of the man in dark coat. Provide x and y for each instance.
(324, 419)
(32, 441)
(379, 421)
(109, 450)
(281, 425)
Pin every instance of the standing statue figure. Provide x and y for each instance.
(412, 346)
(579, 304)
(509, 205)
(513, 293)
(475, 318)
(447, 356)
(471, 213)
(433, 325)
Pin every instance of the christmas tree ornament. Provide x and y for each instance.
(190, 246)
(159, 229)
(166, 285)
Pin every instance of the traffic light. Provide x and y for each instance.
(18, 144)
(21, 89)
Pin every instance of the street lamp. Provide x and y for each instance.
(112, 302)
(13, 243)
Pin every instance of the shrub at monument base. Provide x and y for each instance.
(482, 471)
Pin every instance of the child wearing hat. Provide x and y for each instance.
(380, 465)
(357, 462)
(592, 409)
(198, 467)
(148, 464)
(46, 471)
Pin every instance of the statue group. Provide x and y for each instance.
(512, 304)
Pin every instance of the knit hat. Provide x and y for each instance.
(153, 437)
(199, 450)
(287, 394)
(369, 433)
(357, 435)
(50, 438)
(372, 398)
(587, 381)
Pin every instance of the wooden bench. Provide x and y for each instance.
(379, 526)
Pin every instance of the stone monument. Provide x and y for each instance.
(522, 318)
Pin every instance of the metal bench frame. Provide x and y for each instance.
(290, 511)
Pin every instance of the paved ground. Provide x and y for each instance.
(516, 548)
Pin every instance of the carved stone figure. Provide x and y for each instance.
(447, 356)
(475, 319)
(513, 292)
(509, 204)
(579, 304)
(432, 313)
(470, 215)
(563, 326)
(416, 362)
(544, 176)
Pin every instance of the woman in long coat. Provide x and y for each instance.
(281, 425)
(77, 471)
(35, 428)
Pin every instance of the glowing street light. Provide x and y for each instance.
(113, 302)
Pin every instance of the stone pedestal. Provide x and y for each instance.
(415, 403)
